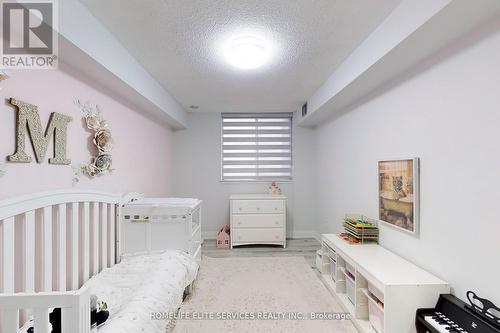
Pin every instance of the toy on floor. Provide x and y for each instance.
(223, 237)
(98, 315)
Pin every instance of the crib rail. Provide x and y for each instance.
(75, 310)
(54, 241)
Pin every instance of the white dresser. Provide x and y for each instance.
(257, 219)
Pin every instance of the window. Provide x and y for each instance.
(256, 146)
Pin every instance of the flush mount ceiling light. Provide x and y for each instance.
(247, 52)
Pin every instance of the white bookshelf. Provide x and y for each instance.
(405, 286)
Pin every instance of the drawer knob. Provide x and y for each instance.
(258, 208)
(239, 208)
(276, 237)
(239, 222)
(275, 208)
(276, 222)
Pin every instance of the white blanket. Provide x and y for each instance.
(140, 286)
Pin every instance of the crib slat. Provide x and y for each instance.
(74, 245)
(112, 243)
(42, 320)
(67, 323)
(85, 240)
(29, 238)
(47, 248)
(29, 257)
(62, 247)
(95, 238)
(104, 235)
(10, 320)
(84, 326)
(8, 255)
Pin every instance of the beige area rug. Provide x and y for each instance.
(278, 289)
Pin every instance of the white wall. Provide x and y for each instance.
(197, 168)
(447, 112)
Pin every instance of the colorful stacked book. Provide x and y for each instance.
(360, 230)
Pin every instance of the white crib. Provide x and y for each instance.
(51, 244)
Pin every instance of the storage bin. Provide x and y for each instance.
(377, 293)
(350, 272)
(351, 290)
(333, 270)
(331, 253)
(376, 316)
(319, 261)
(350, 269)
(332, 259)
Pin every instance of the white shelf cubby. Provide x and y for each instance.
(403, 286)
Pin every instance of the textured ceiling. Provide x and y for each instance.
(179, 43)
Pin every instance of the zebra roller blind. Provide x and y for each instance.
(256, 146)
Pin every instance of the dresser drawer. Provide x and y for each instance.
(258, 206)
(258, 221)
(258, 235)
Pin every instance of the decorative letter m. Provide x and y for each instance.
(28, 122)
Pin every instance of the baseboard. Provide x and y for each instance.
(298, 234)
(295, 234)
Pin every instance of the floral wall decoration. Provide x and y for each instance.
(102, 139)
(3, 76)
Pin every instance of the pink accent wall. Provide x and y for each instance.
(143, 146)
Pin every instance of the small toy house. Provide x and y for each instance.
(223, 238)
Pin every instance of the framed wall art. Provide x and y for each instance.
(398, 193)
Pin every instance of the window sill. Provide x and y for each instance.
(254, 181)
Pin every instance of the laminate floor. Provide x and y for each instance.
(303, 247)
